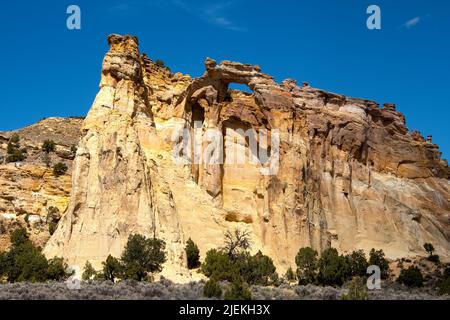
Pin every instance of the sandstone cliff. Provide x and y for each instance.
(28, 189)
(348, 173)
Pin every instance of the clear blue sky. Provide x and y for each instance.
(48, 70)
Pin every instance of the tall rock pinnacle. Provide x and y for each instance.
(117, 190)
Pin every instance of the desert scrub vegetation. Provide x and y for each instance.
(357, 290)
(234, 263)
(89, 272)
(192, 254)
(411, 277)
(53, 217)
(167, 290)
(290, 275)
(233, 272)
(307, 263)
(234, 260)
(141, 258)
(444, 283)
(161, 64)
(429, 248)
(377, 258)
(14, 152)
(59, 169)
(24, 262)
(212, 289)
(334, 269)
(104, 290)
(48, 146)
(238, 290)
(342, 276)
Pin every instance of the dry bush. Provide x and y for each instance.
(167, 290)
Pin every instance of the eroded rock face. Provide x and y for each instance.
(350, 174)
(117, 189)
(28, 189)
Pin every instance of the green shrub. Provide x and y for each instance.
(212, 289)
(4, 263)
(52, 227)
(429, 248)
(434, 258)
(112, 269)
(53, 217)
(11, 147)
(307, 263)
(238, 290)
(274, 280)
(193, 255)
(446, 273)
(59, 169)
(357, 263)
(376, 258)
(15, 139)
(257, 269)
(290, 275)
(48, 146)
(141, 256)
(234, 260)
(333, 268)
(444, 286)
(24, 262)
(53, 212)
(15, 154)
(57, 270)
(217, 264)
(29, 265)
(19, 237)
(160, 63)
(411, 277)
(357, 290)
(89, 272)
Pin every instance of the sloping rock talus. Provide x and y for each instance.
(343, 173)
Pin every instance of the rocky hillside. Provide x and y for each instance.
(28, 188)
(339, 171)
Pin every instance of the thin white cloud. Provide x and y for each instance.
(212, 13)
(412, 22)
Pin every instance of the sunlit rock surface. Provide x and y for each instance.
(349, 174)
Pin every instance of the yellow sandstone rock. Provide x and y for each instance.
(349, 174)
